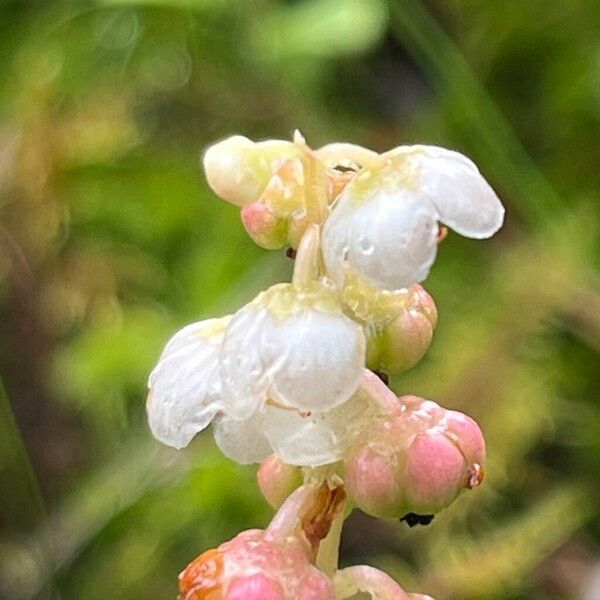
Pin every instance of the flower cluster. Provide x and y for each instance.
(295, 377)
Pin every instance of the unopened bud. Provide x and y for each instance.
(277, 480)
(238, 169)
(252, 566)
(415, 461)
(402, 341)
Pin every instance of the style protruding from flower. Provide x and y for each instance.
(294, 379)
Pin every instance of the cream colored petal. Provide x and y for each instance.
(297, 440)
(238, 169)
(242, 368)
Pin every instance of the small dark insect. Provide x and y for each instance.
(412, 519)
(291, 253)
(345, 168)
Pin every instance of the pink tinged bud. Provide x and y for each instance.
(263, 226)
(425, 303)
(415, 461)
(316, 586)
(402, 344)
(467, 435)
(371, 482)
(254, 587)
(407, 333)
(435, 473)
(255, 566)
(277, 480)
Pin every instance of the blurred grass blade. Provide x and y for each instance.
(21, 498)
(493, 141)
(21, 505)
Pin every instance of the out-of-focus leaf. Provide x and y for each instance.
(201, 5)
(320, 28)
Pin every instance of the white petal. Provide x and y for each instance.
(310, 358)
(306, 441)
(241, 364)
(319, 358)
(242, 440)
(389, 239)
(463, 198)
(319, 438)
(184, 386)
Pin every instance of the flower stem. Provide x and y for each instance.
(379, 391)
(379, 585)
(306, 267)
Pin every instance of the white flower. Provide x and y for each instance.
(280, 376)
(294, 347)
(185, 390)
(314, 439)
(384, 226)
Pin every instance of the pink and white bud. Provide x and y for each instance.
(415, 461)
(253, 567)
(402, 342)
(238, 169)
(277, 480)
(281, 186)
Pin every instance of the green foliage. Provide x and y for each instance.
(110, 241)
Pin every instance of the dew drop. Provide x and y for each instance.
(365, 245)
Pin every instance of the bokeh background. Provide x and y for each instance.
(110, 240)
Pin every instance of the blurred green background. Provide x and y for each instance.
(110, 240)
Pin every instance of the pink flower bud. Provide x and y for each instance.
(415, 461)
(371, 480)
(277, 480)
(403, 340)
(254, 566)
(254, 586)
(263, 226)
